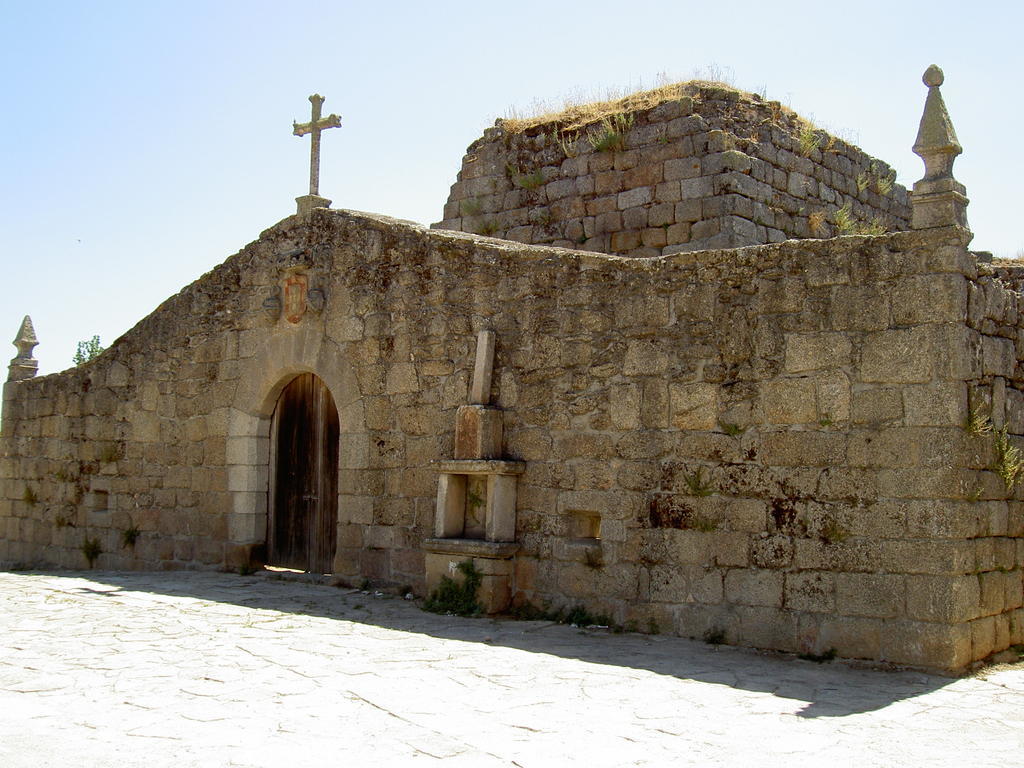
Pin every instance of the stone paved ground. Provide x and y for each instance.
(200, 669)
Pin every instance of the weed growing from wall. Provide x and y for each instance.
(697, 484)
(454, 598)
(487, 227)
(815, 222)
(130, 535)
(884, 184)
(809, 140)
(87, 350)
(470, 208)
(610, 135)
(1009, 462)
(844, 220)
(714, 636)
(92, 549)
(566, 142)
(529, 181)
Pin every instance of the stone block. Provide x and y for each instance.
(145, 427)
(654, 237)
(949, 599)
(934, 519)
(694, 406)
(401, 378)
(607, 222)
(814, 351)
(870, 594)
(624, 406)
(635, 218)
(929, 299)
(634, 197)
(608, 182)
(239, 478)
(645, 357)
(789, 401)
(765, 627)
(600, 205)
(903, 355)
(803, 448)
(998, 356)
(357, 510)
(248, 450)
(688, 211)
(500, 516)
(354, 451)
(983, 637)
(858, 307)
(478, 432)
(940, 404)
(625, 241)
(480, 392)
(812, 591)
(662, 214)
(729, 160)
(832, 393)
(683, 168)
(853, 638)
(754, 587)
(945, 557)
(495, 590)
(247, 528)
(701, 187)
(685, 584)
(993, 592)
(772, 552)
(894, 447)
(938, 646)
(450, 514)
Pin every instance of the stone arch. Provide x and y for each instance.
(285, 355)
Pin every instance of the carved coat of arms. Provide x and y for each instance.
(295, 290)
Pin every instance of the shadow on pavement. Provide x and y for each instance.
(830, 690)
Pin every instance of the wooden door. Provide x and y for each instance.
(302, 528)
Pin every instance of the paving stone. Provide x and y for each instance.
(200, 669)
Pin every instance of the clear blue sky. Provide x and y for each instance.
(145, 142)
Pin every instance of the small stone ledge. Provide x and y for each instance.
(480, 467)
(495, 550)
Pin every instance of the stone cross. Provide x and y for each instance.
(314, 127)
(24, 366)
(938, 199)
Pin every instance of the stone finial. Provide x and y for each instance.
(938, 199)
(24, 366)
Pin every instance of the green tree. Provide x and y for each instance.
(87, 350)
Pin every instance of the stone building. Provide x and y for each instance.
(802, 445)
(686, 167)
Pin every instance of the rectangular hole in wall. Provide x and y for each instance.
(100, 501)
(585, 525)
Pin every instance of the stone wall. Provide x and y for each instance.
(708, 167)
(766, 445)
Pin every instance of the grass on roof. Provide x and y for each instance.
(577, 112)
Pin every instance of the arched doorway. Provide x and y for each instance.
(302, 525)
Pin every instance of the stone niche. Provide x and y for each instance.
(475, 517)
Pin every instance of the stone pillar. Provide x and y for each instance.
(24, 366)
(475, 487)
(938, 200)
